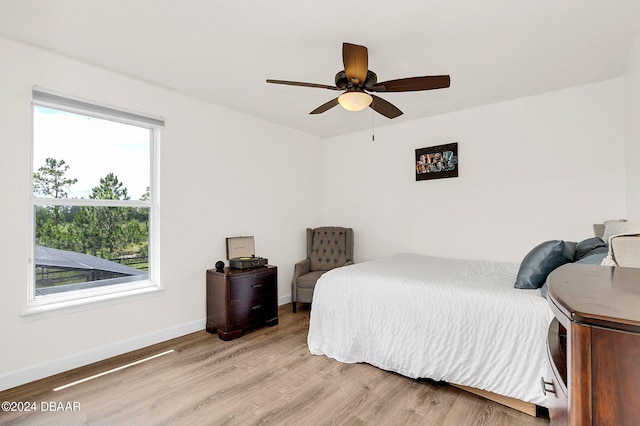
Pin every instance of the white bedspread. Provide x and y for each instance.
(455, 320)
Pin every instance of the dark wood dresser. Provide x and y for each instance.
(593, 345)
(238, 299)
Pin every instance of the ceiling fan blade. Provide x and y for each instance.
(412, 84)
(324, 107)
(356, 63)
(299, 83)
(384, 107)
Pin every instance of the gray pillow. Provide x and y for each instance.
(541, 260)
(584, 247)
(594, 257)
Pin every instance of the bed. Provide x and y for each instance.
(452, 320)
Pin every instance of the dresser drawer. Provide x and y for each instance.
(252, 285)
(251, 311)
(554, 382)
(557, 400)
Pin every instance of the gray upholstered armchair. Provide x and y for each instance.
(327, 248)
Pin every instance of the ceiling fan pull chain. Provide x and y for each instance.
(373, 127)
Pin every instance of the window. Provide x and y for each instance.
(94, 203)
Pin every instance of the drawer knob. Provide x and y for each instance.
(256, 285)
(255, 308)
(547, 386)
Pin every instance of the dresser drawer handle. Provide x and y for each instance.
(255, 308)
(544, 384)
(256, 285)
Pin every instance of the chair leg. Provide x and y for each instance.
(294, 305)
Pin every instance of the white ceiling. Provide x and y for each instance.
(222, 51)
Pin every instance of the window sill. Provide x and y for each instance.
(40, 311)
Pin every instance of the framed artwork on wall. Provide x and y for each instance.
(437, 162)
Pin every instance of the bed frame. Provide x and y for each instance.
(522, 406)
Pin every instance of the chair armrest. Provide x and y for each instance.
(300, 268)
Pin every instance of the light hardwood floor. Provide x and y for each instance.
(267, 376)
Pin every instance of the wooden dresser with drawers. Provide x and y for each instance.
(593, 347)
(238, 299)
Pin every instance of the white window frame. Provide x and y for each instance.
(60, 303)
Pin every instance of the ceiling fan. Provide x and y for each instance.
(356, 80)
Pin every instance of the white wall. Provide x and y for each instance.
(533, 169)
(632, 131)
(223, 174)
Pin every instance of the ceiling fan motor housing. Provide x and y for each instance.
(342, 82)
(371, 79)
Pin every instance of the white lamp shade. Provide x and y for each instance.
(355, 101)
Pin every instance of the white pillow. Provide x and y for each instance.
(615, 227)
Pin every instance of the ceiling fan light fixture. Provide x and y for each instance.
(355, 101)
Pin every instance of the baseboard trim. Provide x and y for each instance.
(283, 300)
(46, 369)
